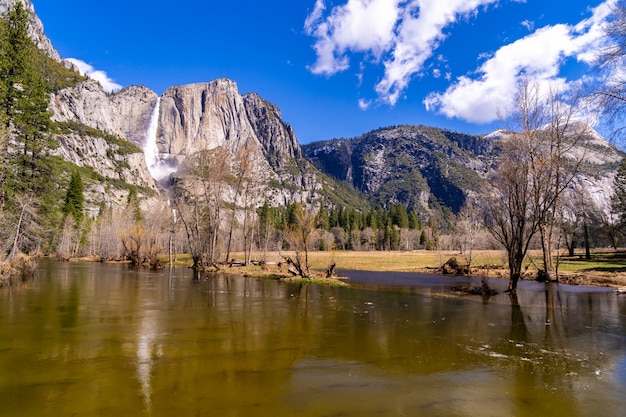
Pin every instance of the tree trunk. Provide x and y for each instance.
(17, 234)
(587, 250)
(546, 248)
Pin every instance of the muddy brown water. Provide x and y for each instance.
(106, 340)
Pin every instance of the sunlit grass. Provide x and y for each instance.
(422, 261)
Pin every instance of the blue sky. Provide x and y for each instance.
(339, 68)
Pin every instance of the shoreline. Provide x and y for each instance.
(606, 269)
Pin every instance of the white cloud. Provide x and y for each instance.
(404, 34)
(358, 26)
(539, 55)
(84, 68)
(528, 24)
(417, 38)
(364, 104)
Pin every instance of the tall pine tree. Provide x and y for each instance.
(74, 198)
(26, 176)
(24, 105)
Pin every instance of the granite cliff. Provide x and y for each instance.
(185, 120)
(428, 168)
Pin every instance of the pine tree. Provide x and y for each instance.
(266, 224)
(132, 204)
(372, 220)
(414, 222)
(27, 172)
(74, 198)
(399, 216)
(15, 59)
(322, 218)
(24, 103)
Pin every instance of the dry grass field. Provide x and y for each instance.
(606, 268)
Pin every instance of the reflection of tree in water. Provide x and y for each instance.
(519, 331)
(539, 368)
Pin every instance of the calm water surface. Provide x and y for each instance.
(105, 340)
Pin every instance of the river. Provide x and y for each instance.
(87, 339)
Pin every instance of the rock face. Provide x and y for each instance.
(35, 29)
(126, 113)
(204, 116)
(425, 168)
(277, 137)
(416, 166)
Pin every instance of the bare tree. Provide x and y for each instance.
(67, 239)
(340, 237)
(556, 163)
(368, 237)
(301, 237)
(539, 162)
(206, 174)
(468, 226)
(108, 226)
(192, 214)
(509, 214)
(24, 230)
(133, 240)
(242, 177)
(610, 91)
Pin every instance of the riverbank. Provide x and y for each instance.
(606, 268)
(20, 268)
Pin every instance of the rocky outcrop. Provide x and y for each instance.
(203, 116)
(35, 29)
(106, 158)
(277, 137)
(126, 113)
(191, 118)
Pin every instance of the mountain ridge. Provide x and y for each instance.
(425, 168)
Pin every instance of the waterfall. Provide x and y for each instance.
(159, 165)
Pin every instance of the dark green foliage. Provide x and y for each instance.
(424, 241)
(371, 219)
(322, 218)
(293, 211)
(28, 169)
(399, 216)
(132, 204)
(74, 198)
(391, 239)
(414, 221)
(56, 77)
(266, 224)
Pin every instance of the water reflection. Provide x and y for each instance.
(104, 340)
(146, 348)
